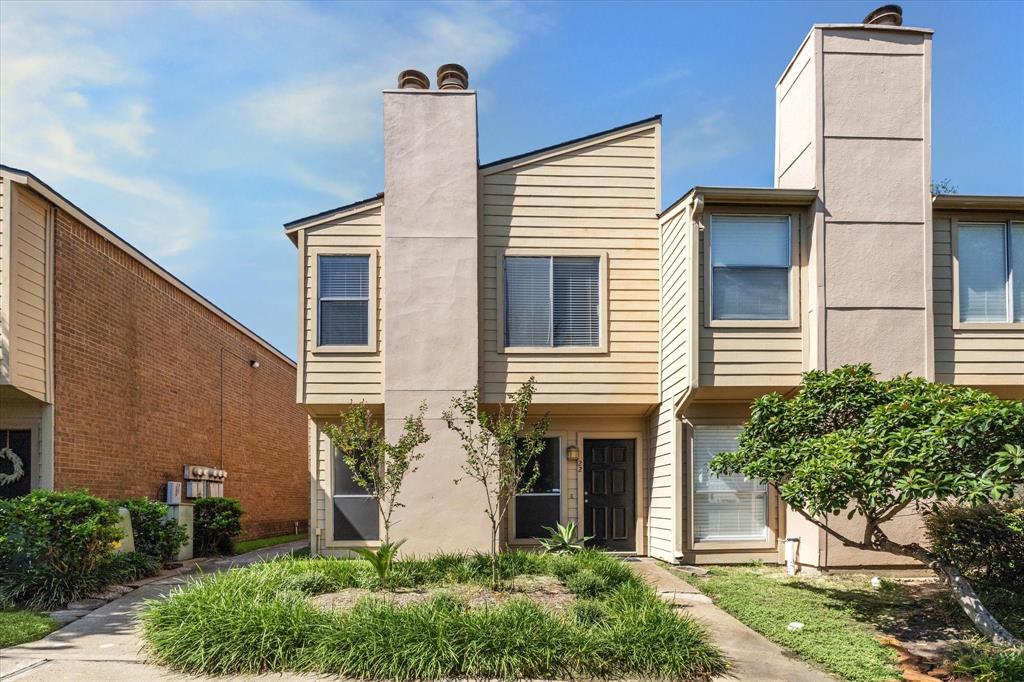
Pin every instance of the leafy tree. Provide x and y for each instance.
(377, 466)
(501, 451)
(850, 443)
(944, 186)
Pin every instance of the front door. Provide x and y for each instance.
(15, 462)
(609, 493)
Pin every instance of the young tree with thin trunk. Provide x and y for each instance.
(377, 466)
(848, 443)
(501, 451)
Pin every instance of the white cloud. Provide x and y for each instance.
(709, 138)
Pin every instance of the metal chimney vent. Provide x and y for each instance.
(452, 77)
(411, 78)
(886, 15)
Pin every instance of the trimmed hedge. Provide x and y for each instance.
(985, 542)
(154, 534)
(216, 522)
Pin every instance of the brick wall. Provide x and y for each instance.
(147, 380)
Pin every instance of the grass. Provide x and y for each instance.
(834, 635)
(18, 627)
(253, 545)
(258, 619)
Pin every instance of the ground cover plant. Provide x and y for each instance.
(18, 627)
(261, 619)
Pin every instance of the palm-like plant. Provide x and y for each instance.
(562, 539)
(381, 559)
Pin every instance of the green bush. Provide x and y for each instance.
(154, 534)
(985, 542)
(55, 547)
(586, 583)
(124, 568)
(985, 663)
(216, 522)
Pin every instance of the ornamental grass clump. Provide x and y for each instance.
(259, 619)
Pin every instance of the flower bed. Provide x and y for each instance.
(262, 619)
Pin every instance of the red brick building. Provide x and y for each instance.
(114, 374)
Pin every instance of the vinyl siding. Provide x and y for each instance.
(976, 357)
(4, 243)
(600, 197)
(662, 485)
(29, 336)
(337, 378)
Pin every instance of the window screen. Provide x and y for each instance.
(724, 507)
(990, 260)
(344, 291)
(750, 264)
(355, 511)
(552, 301)
(541, 506)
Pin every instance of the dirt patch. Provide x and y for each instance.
(544, 590)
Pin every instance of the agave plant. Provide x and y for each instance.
(381, 559)
(562, 539)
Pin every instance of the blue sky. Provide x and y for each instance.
(195, 130)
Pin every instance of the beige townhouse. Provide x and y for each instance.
(649, 331)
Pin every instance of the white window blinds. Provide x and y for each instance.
(990, 261)
(552, 301)
(344, 300)
(724, 507)
(750, 263)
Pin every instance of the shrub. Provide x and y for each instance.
(985, 542)
(216, 522)
(124, 568)
(154, 534)
(586, 583)
(54, 547)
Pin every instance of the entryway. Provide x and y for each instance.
(609, 493)
(15, 462)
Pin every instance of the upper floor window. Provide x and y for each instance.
(990, 259)
(552, 301)
(344, 300)
(751, 257)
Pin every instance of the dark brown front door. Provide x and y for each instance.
(609, 493)
(15, 462)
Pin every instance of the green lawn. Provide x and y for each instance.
(18, 627)
(835, 612)
(252, 545)
(260, 619)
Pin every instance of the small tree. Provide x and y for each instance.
(944, 186)
(377, 466)
(501, 451)
(850, 443)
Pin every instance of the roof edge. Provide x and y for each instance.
(300, 223)
(766, 196)
(36, 184)
(567, 143)
(978, 202)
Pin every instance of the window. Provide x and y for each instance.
(552, 301)
(725, 507)
(542, 505)
(990, 259)
(344, 303)
(751, 258)
(355, 511)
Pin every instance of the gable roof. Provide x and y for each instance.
(332, 213)
(30, 180)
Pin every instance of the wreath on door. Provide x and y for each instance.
(9, 455)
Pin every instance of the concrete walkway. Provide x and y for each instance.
(751, 656)
(105, 644)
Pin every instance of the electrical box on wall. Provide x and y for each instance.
(173, 492)
(203, 481)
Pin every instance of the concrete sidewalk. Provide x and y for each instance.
(105, 644)
(751, 656)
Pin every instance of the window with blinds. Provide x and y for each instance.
(990, 261)
(751, 258)
(541, 505)
(552, 301)
(343, 316)
(725, 508)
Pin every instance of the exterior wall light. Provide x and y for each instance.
(572, 453)
(255, 364)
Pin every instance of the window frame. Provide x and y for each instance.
(986, 219)
(329, 541)
(370, 346)
(602, 304)
(563, 478)
(793, 320)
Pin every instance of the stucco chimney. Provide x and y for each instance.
(430, 312)
(853, 120)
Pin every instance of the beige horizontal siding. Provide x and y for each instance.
(602, 197)
(337, 378)
(29, 310)
(662, 486)
(4, 242)
(977, 357)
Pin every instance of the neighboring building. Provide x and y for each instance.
(114, 374)
(649, 333)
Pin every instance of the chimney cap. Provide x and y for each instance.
(452, 77)
(886, 15)
(413, 79)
